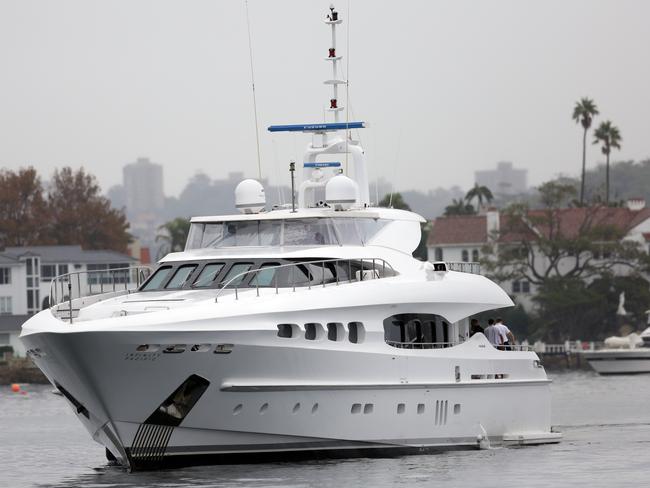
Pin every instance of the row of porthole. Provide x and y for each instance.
(314, 331)
(496, 376)
(367, 408)
(265, 406)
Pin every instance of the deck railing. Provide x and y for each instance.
(81, 284)
(368, 269)
(464, 267)
(440, 345)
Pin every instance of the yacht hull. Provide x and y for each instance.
(275, 398)
(619, 361)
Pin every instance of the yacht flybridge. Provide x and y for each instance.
(307, 330)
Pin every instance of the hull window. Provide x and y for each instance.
(356, 332)
(335, 331)
(286, 330)
(417, 331)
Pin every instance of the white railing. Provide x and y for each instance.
(439, 345)
(66, 288)
(464, 267)
(369, 269)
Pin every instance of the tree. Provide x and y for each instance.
(394, 200)
(583, 113)
(459, 207)
(77, 213)
(610, 137)
(480, 193)
(564, 253)
(173, 234)
(22, 208)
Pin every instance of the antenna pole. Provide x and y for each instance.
(292, 170)
(250, 56)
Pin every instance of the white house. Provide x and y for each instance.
(26, 274)
(461, 238)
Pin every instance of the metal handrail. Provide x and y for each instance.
(64, 282)
(464, 266)
(377, 264)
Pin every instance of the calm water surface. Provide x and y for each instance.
(605, 420)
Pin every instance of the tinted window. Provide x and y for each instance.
(265, 277)
(208, 274)
(181, 276)
(157, 279)
(234, 271)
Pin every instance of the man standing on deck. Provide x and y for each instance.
(475, 328)
(492, 334)
(507, 337)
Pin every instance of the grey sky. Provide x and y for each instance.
(448, 87)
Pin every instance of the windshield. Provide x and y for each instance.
(290, 232)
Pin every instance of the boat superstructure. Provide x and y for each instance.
(305, 330)
(630, 356)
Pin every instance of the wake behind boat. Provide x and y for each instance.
(302, 331)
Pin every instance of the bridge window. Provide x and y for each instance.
(234, 272)
(156, 281)
(181, 276)
(208, 275)
(417, 331)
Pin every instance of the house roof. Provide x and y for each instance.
(68, 254)
(458, 229)
(472, 229)
(5, 259)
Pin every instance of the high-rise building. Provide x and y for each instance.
(144, 197)
(504, 180)
(143, 186)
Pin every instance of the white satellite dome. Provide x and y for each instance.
(341, 192)
(250, 197)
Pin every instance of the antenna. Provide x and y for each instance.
(250, 56)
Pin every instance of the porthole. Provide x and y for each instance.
(401, 408)
(314, 409)
(456, 408)
(356, 408)
(313, 331)
(368, 408)
(264, 408)
(237, 409)
(420, 408)
(356, 332)
(296, 408)
(174, 349)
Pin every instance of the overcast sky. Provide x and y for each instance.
(447, 86)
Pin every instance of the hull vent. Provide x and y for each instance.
(150, 444)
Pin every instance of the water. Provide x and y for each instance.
(605, 420)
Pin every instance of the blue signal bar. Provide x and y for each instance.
(324, 164)
(332, 126)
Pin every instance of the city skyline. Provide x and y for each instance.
(97, 85)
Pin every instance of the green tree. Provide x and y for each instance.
(173, 235)
(583, 113)
(78, 213)
(480, 194)
(459, 207)
(609, 136)
(23, 219)
(394, 200)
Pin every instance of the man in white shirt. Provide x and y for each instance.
(506, 336)
(492, 334)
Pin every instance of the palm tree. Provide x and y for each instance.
(584, 113)
(459, 207)
(479, 193)
(610, 137)
(173, 234)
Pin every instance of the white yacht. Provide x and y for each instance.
(307, 330)
(632, 355)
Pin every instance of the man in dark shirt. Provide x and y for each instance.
(475, 327)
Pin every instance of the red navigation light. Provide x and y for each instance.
(333, 103)
(332, 52)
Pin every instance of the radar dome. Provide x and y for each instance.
(341, 192)
(249, 197)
